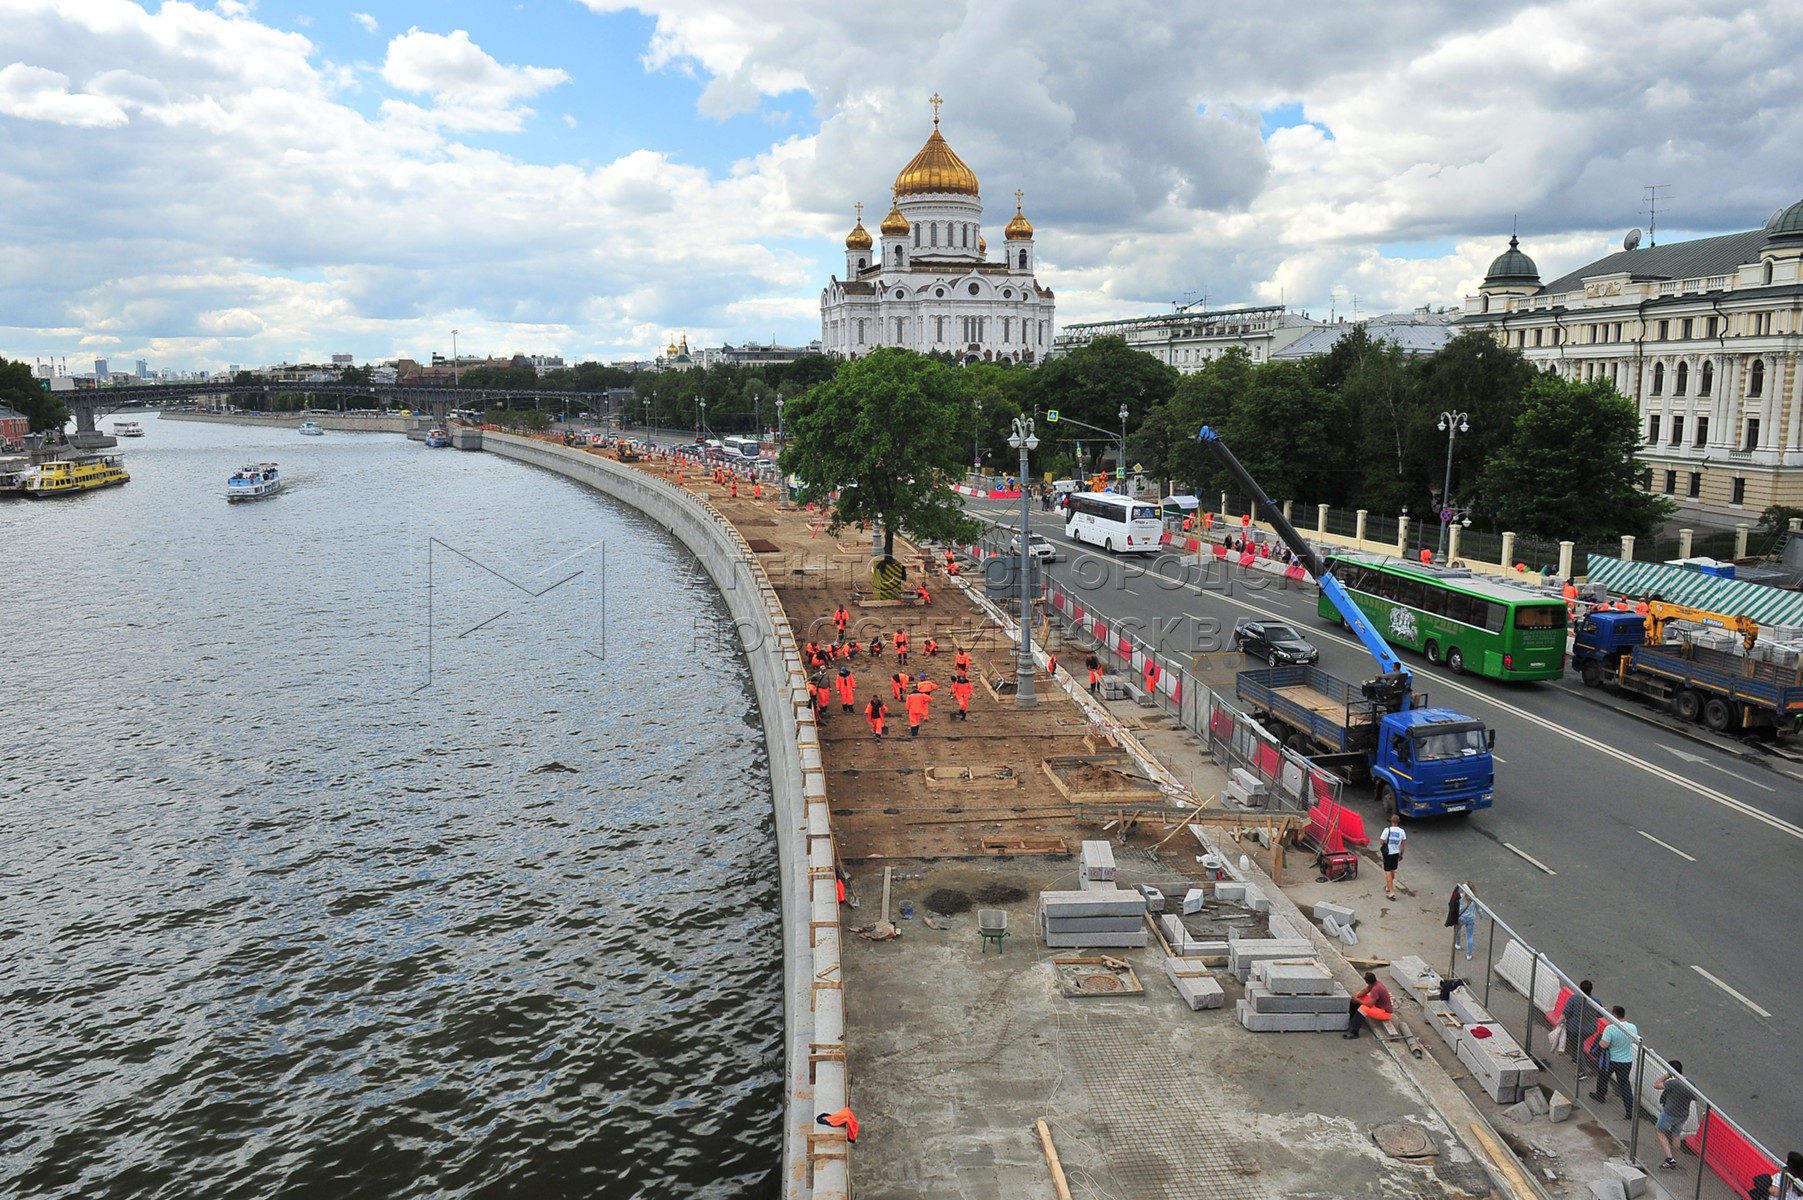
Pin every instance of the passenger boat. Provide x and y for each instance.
(127, 429)
(310, 429)
(437, 438)
(255, 482)
(68, 476)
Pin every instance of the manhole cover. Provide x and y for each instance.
(1403, 1139)
(1098, 983)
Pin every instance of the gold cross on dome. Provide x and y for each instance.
(860, 207)
(936, 103)
(1017, 195)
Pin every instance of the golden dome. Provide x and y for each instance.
(895, 225)
(982, 245)
(858, 238)
(936, 168)
(1018, 229)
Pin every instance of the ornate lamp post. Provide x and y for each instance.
(1453, 423)
(782, 478)
(1023, 439)
(454, 377)
(1122, 464)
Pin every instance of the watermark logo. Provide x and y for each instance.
(1402, 624)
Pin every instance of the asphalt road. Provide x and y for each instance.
(1661, 863)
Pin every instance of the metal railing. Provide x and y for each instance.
(1715, 1155)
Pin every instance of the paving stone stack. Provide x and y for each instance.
(1114, 918)
(1095, 867)
(1293, 995)
(1244, 953)
(1195, 983)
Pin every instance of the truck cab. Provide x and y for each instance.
(1602, 638)
(1434, 761)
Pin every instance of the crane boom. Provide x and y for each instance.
(1396, 678)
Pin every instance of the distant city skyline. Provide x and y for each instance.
(230, 182)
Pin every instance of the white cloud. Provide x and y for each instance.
(369, 23)
(40, 95)
(469, 89)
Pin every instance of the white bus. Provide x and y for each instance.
(1115, 523)
(742, 449)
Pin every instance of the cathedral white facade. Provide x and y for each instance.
(926, 282)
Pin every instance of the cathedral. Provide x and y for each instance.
(927, 283)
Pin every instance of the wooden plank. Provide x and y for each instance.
(1026, 845)
(1051, 1157)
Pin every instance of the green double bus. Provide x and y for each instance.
(1485, 626)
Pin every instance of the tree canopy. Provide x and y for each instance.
(888, 433)
(18, 390)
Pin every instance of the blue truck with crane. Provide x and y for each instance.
(1421, 761)
(1724, 691)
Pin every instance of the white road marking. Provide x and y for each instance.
(1524, 854)
(1672, 777)
(1494, 757)
(1687, 756)
(1649, 837)
(1718, 983)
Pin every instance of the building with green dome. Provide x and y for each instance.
(1703, 335)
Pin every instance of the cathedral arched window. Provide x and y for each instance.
(898, 256)
(933, 233)
(1658, 379)
(964, 236)
(1023, 260)
(1756, 378)
(1706, 379)
(917, 237)
(1683, 385)
(862, 264)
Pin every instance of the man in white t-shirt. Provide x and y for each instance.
(1389, 844)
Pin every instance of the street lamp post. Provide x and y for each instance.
(647, 404)
(454, 377)
(1454, 423)
(1122, 464)
(1022, 438)
(782, 478)
(700, 418)
(976, 437)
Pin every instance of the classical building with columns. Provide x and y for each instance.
(1704, 336)
(926, 282)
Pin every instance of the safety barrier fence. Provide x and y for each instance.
(816, 1162)
(1291, 784)
(1716, 1156)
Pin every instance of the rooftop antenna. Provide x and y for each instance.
(1652, 209)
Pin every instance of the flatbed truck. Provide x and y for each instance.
(1724, 691)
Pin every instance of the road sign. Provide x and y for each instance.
(1052, 417)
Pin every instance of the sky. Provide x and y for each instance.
(257, 181)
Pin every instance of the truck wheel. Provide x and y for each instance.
(1432, 650)
(1386, 799)
(1455, 659)
(1687, 705)
(1593, 674)
(1716, 714)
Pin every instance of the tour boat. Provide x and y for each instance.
(68, 476)
(310, 429)
(437, 438)
(127, 429)
(256, 482)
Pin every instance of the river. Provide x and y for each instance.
(405, 834)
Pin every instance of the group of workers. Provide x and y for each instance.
(914, 692)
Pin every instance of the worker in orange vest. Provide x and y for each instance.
(841, 650)
(962, 690)
(918, 703)
(898, 684)
(1640, 606)
(961, 660)
(951, 566)
(1245, 520)
(848, 688)
(841, 619)
(932, 647)
(757, 491)
(1151, 677)
(875, 712)
(922, 595)
(1095, 673)
(923, 684)
(1427, 557)
(901, 646)
(876, 646)
(735, 487)
(823, 698)
(1189, 522)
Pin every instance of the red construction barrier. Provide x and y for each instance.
(1220, 551)
(1728, 1154)
(1001, 495)
(1296, 573)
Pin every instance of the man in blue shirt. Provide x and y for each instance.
(1615, 1059)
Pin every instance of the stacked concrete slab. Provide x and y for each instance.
(1292, 995)
(1095, 862)
(1186, 944)
(1242, 953)
(1111, 918)
(1496, 1060)
(1195, 983)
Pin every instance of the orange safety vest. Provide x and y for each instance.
(896, 684)
(932, 646)
(901, 643)
(962, 691)
(840, 617)
(918, 703)
(848, 687)
(876, 710)
(926, 686)
(962, 660)
(841, 1119)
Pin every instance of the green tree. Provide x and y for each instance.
(1475, 375)
(1207, 396)
(1287, 431)
(356, 376)
(884, 433)
(18, 390)
(1092, 382)
(1568, 469)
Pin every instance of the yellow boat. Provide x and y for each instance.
(67, 477)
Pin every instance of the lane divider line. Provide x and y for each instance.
(1649, 837)
(1718, 983)
(1512, 847)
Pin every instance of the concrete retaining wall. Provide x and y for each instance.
(332, 421)
(814, 1160)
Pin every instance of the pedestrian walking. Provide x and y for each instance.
(961, 690)
(1095, 673)
(918, 704)
(1572, 1021)
(1675, 1099)
(1467, 930)
(901, 646)
(1370, 1003)
(848, 689)
(1389, 843)
(961, 660)
(876, 712)
(1614, 1059)
(841, 619)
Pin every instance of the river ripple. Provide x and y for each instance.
(407, 834)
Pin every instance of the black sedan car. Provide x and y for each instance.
(1273, 641)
